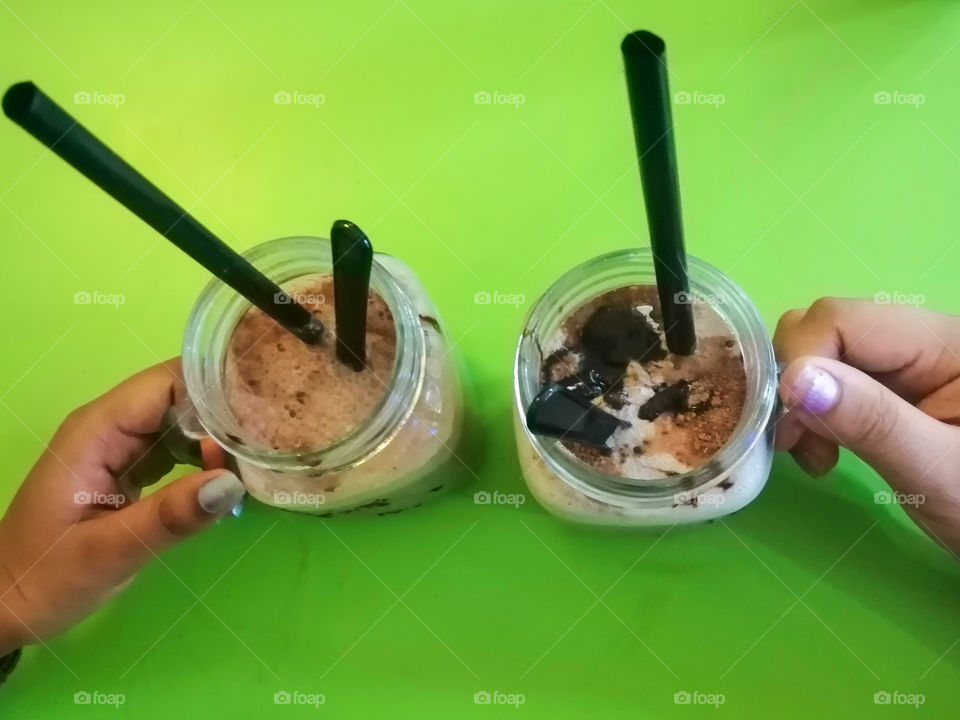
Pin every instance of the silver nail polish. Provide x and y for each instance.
(221, 494)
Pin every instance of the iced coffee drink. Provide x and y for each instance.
(689, 436)
(306, 431)
(287, 395)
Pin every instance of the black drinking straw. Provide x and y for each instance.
(352, 259)
(29, 107)
(644, 57)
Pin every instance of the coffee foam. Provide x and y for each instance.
(287, 395)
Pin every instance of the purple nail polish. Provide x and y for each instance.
(817, 390)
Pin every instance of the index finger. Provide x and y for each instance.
(136, 406)
(911, 351)
(109, 429)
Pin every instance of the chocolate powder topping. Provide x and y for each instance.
(611, 348)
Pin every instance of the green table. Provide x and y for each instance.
(798, 180)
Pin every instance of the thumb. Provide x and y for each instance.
(843, 405)
(173, 513)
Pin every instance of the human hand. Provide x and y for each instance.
(883, 381)
(77, 530)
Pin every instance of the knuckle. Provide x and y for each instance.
(789, 319)
(791, 316)
(828, 307)
(172, 521)
(785, 329)
(874, 420)
(79, 417)
(787, 322)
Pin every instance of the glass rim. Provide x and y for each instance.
(307, 256)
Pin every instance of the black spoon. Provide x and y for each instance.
(562, 413)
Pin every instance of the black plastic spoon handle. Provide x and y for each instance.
(352, 258)
(566, 414)
(29, 107)
(644, 57)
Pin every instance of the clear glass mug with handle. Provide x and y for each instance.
(404, 452)
(577, 492)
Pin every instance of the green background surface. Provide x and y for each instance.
(798, 185)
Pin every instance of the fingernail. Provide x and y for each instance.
(816, 390)
(221, 494)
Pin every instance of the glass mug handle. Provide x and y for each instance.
(778, 409)
(182, 432)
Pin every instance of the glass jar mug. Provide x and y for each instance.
(730, 480)
(402, 453)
